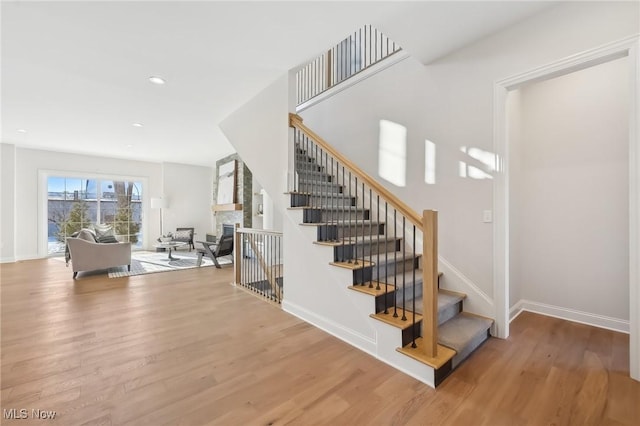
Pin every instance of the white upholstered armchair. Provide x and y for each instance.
(89, 255)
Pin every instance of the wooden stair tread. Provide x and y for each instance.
(361, 264)
(370, 291)
(338, 223)
(397, 321)
(371, 239)
(444, 354)
(336, 209)
(328, 243)
(451, 292)
(296, 193)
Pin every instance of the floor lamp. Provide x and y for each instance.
(159, 203)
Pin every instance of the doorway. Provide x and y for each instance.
(568, 196)
(628, 47)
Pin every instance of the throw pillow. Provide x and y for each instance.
(182, 235)
(108, 239)
(87, 235)
(103, 230)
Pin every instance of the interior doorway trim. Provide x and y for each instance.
(628, 47)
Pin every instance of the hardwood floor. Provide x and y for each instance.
(187, 348)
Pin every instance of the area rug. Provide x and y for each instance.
(152, 262)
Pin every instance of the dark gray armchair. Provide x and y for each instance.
(185, 235)
(224, 247)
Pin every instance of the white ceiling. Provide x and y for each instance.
(74, 74)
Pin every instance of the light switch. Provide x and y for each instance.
(487, 216)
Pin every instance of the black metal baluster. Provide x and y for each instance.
(395, 265)
(355, 246)
(371, 236)
(255, 264)
(359, 54)
(334, 207)
(375, 44)
(386, 261)
(349, 221)
(378, 236)
(308, 176)
(316, 187)
(367, 42)
(261, 271)
(337, 226)
(266, 272)
(251, 271)
(371, 62)
(334, 74)
(327, 194)
(404, 278)
(273, 270)
(413, 345)
(243, 265)
(387, 46)
(363, 240)
(309, 164)
(279, 262)
(296, 167)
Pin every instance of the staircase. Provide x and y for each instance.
(351, 221)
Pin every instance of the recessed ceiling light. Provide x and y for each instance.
(156, 80)
(129, 146)
(22, 131)
(137, 124)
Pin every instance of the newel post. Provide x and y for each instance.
(430, 282)
(237, 254)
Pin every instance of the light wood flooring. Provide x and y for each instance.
(187, 348)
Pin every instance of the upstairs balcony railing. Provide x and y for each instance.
(362, 49)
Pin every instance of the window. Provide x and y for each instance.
(392, 152)
(76, 203)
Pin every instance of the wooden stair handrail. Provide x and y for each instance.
(296, 121)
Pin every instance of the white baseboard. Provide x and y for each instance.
(415, 369)
(347, 335)
(595, 320)
(7, 259)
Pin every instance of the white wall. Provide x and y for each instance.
(189, 191)
(569, 187)
(7, 202)
(450, 102)
(191, 185)
(259, 132)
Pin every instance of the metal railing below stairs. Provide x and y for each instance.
(259, 262)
